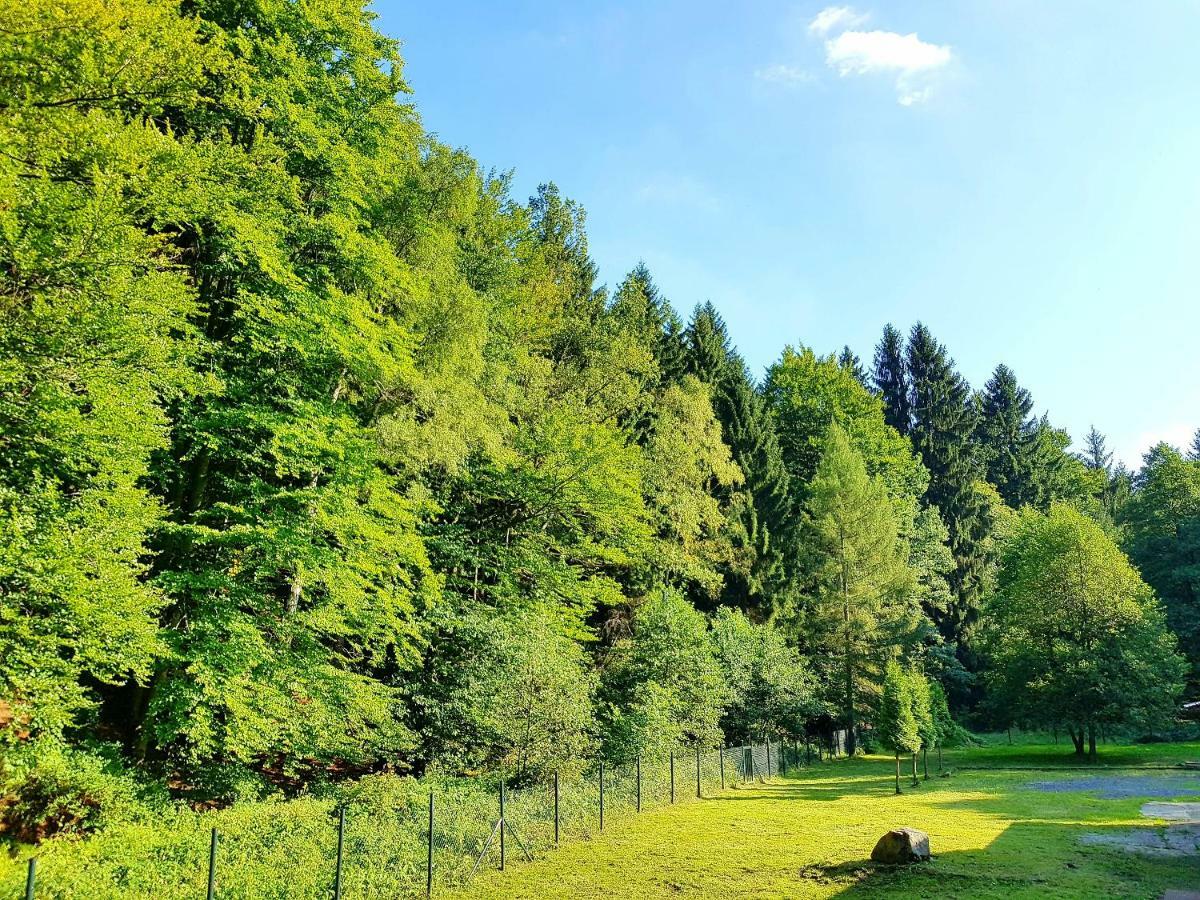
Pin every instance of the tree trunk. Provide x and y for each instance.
(939, 756)
(897, 771)
(1092, 742)
(1077, 740)
(925, 761)
(915, 780)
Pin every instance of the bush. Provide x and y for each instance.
(47, 790)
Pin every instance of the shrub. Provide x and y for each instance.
(47, 789)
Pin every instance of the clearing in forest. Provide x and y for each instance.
(999, 827)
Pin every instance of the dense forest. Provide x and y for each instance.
(321, 452)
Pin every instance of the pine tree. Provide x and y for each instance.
(1096, 456)
(891, 379)
(1194, 449)
(863, 583)
(943, 423)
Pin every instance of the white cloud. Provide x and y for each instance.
(914, 63)
(784, 74)
(864, 52)
(832, 18)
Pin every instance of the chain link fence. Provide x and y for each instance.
(387, 836)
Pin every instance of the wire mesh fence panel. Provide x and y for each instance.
(385, 842)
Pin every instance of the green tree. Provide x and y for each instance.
(943, 723)
(97, 340)
(771, 688)
(1075, 637)
(1007, 437)
(891, 379)
(1194, 448)
(661, 686)
(807, 392)
(758, 578)
(1096, 456)
(1162, 518)
(943, 422)
(922, 705)
(894, 720)
(849, 361)
(861, 609)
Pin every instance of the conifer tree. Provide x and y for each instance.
(759, 580)
(861, 613)
(1194, 449)
(923, 713)
(1096, 456)
(942, 721)
(891, 379)
(1007, 436)
(943, 422)
(849, 361)
(894, 719)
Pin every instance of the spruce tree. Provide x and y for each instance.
(759, 512)
(1194, 449)
(849, 361)
(639, 305)
(891, 379)
(943, 423)
(1096, 456)
(1007, 436)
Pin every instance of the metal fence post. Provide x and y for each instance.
(212, 865)
(601, 796)
(503, 826)
(337, 873)
(697, 771)
(639, 782)
(556, 806)
(768, 757)
(31, 878)
(429, 856)
(672, 776)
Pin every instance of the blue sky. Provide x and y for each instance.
(1022, 176)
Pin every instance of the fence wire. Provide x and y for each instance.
(387, 831)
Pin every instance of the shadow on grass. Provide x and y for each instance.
(1025, 859)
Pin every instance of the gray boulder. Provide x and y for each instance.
(904, 845)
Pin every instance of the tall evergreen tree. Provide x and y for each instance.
(1096, 455)
(943, 423)
(1006, 436)
(639, 305)
(849, 361)
(1194, 449)
(862, 609)
(891, 379)
(758, 578)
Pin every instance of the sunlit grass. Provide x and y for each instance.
(811, 836)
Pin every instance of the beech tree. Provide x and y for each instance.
(1075, 637)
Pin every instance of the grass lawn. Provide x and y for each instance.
(811, 835)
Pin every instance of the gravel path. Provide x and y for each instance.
(1123, 787)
